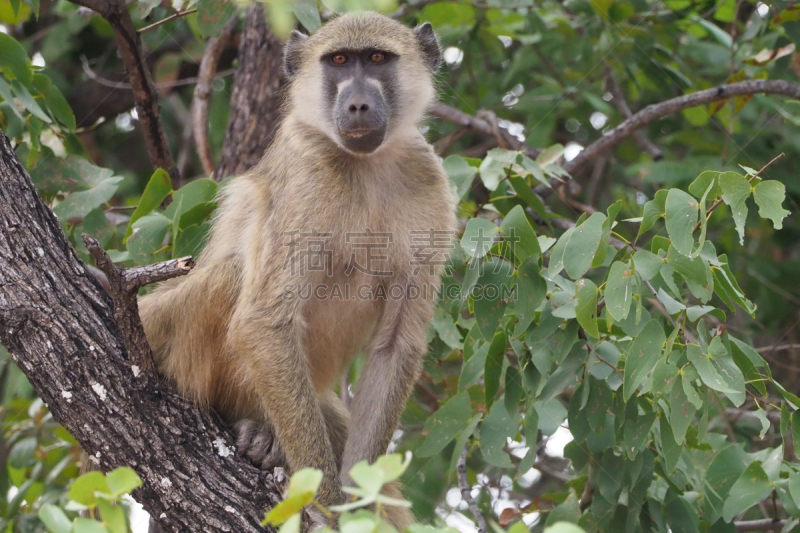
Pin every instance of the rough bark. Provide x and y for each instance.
(59, 326)
(255, 100)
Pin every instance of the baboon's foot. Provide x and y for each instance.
(256, 441)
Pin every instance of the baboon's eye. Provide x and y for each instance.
(377, 57)
(339, 59)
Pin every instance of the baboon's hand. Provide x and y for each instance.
(257, 441)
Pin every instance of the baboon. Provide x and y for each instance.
(331, 246)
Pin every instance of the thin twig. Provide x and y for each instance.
(766, 524)
(622, 106)
(202, 93)
(161, 85)
(781, 348)
(719, 200)
(129, 43)
(168, 19)
(588, 492)
(461, 470)
(123, 286)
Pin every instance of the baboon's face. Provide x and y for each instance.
(362, 79)
(359, 87)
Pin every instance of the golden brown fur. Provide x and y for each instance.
(231, 340)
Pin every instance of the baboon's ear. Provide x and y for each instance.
(292, 53)
(430, 45)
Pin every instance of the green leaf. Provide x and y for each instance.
(14, 62)
(123, 480)
(491, 294)
(461, 175)
(599, 403)
(494, 367)
(446, 328)
(59, 107)
(526, 194)
(192, 194)
(113, 516)
(86, 525)
(445, 424)
(22, 453)
(79, 204)
(681, 517)
(769, 196)
(751, 487)
(653, 210)
(83, 489)
(26, 99)
(700, 185)
(726, 366)
(191, 240)
(531, 292)
(726, 467)
(496, 428)
(735, 192)
(519, 235)
(479, 237)
(586, 310)
(620, 287)
(550, 155)
(696, 271)
(566, 511)
(709, 374)
(796, 432)
(473, 367)
(54, 519)
(636, 433)
(681, 218)
(563, 527)
(681, 412)
(556, 264)
(670, 449)
(288, 509)
(212, 15)
(647, 264)
(307, 13)
(642, 357)
(463, 439)
(583, 245)
(197, 214)
(158, 187)
(494, 165)
(148, 236)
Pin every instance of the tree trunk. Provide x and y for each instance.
(58, 325)
(255, 101)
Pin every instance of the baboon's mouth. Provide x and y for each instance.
(356, 133)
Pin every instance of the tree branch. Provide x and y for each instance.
(451, 114)
(766, 524)
(202, 92)
(654, 112)
(124, 285)
(59, 326)
(115, 12)
(255, 98)
(463, 484)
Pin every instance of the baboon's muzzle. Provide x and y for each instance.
(361, 117)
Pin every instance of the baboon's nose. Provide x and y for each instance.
(355, 108)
